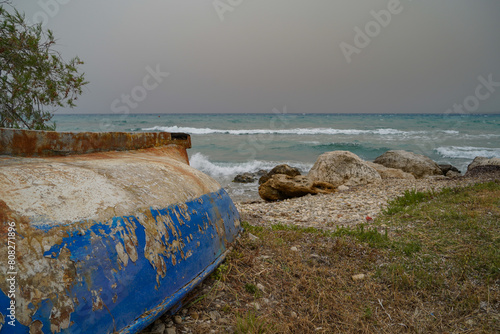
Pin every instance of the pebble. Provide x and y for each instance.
(253, 237)
(214, 315)
(255, 305)
(194, 315)
(294, 249)
(158, 328)
(178, 319)
(171, 330)
(358, 277)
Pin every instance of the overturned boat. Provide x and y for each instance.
(104, 232)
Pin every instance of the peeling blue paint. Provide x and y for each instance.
(112, 296)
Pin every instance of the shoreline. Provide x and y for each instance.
(345, 207)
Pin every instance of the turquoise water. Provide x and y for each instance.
(225, 145)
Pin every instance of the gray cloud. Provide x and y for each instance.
(272, 53)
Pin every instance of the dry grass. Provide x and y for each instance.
(431, 265)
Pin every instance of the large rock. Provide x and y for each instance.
(452, 173)
(446, 168)
(486, 171)
(280, 169)
(482, 161)
(281, 186)
(343, 167)
(418, 165)
(390, 173)
(244, 178)
(249, 177)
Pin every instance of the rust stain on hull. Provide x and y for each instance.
(30, 143)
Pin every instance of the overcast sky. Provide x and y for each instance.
(314, 56)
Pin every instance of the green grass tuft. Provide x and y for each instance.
(369, 235)
(410, 197)
(250, 323)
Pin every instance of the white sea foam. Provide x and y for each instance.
(230, 169)
(296, 131)
(482, 136)
(468, 152)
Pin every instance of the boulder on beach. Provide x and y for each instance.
(418, 165)
(244, 178)
(446, 168)
(452, 173)
(342, 168)
(482, 161)
(280, 187)
(390, 173)
(260, 172)
(249, 177)
(487, 171)
(280, 169)
(482, 166)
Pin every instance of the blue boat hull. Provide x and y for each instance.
(109, 293)
(106, 242)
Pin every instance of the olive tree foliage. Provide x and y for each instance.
(34, 79)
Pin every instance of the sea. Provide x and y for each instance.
(224, 145)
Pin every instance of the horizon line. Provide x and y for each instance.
(296, 113)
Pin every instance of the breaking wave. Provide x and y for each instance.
(468, 152)
(230, 169)
(296, 131)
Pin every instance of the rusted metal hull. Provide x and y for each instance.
(106, 242)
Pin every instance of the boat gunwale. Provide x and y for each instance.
(37, 143)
